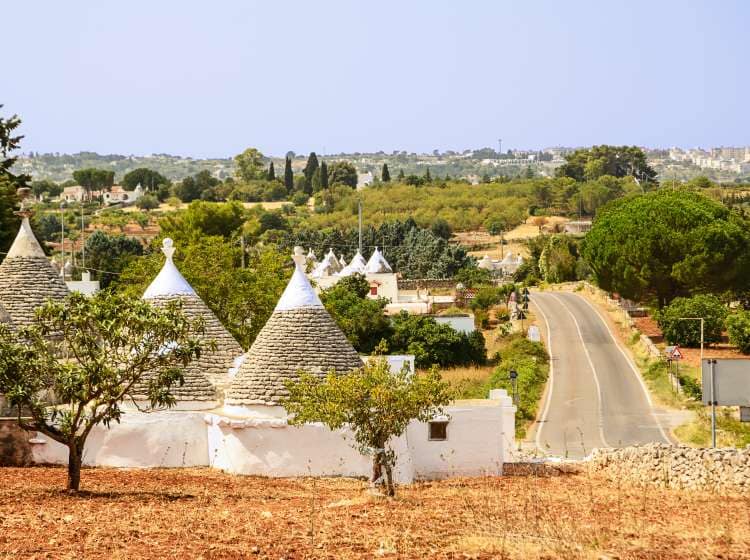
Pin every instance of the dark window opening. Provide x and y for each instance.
(438, 431)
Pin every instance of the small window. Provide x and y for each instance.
(373, 290)
(438, 431)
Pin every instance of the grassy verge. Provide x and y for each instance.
(528, 359)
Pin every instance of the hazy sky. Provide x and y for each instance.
(209, 78)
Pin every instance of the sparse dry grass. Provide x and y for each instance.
(198, 513)
(466, 373)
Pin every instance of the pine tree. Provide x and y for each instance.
(401, 175)
(311, 167)
(271, 173)
(8, 144)
(288, 175)
(323, 175)
(385, 175)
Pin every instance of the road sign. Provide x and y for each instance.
(534, 335)
(731, 382)
(673, 353)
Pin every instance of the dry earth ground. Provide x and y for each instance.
(200, 513)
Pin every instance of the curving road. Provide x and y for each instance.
(595, 397)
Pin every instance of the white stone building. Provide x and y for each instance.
(244, 429)
(505, 267)
(119, 194)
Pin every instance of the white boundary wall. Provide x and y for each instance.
(479, 440)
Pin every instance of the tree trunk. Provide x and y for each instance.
(74, 467)
(390, 490)
(377, 471)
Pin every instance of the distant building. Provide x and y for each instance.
(85, 285)
(119, 194)
(75, 193)
(505, 267)
(578, 226)
(462, 323)
(364, 179)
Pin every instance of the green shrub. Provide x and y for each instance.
(147, 202)
(300, 198)
(738, 327)
(677, 330)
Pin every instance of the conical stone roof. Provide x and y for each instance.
(329, 266)
(299, 336)
(207, 376)
(377, 264)
(357, 265)
(27, 278)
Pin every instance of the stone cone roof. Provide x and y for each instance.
(299, 336)
(377, 264)
(207, 376)
(329, 266)
(357, 265)
(27, 278)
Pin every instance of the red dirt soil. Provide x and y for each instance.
(201, 513)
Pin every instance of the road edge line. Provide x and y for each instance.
(593, 370)
(633, 368)
(551, 378)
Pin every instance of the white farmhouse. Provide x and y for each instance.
(243, 429)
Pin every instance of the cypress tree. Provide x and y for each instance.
(316, 181)
(311, 167)
(288, 175)
(385, 175)
(427, 176)
(401, 175)
(271, 173)
(323, 175)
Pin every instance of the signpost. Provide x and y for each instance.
(513, 375)
(725, 383)
(674, 355)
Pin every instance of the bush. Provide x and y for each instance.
(300, 198)
(147, 202)
(677, 330)
(433, 343)
(738, 327)
(486, 297)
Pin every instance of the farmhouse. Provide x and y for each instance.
(229, 412)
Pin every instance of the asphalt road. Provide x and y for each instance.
(594, 397)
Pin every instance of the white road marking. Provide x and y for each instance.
(593, 370)
(548, 397)
(633, 368)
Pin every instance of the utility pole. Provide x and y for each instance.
(242, 244)
(499, 146)
(83, 242)
(703, 326)
(62, 239)
(712, 364)
(360, 226)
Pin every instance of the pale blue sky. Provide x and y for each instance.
(209, 78)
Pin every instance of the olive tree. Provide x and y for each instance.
(71, 369)
(376, 404)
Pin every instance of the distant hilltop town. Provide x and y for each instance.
(718, 163)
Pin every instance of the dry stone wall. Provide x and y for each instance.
(15, 450)
(726, 471)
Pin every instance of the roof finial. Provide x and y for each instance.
(23, 193)
(167, 247)
(299, 257)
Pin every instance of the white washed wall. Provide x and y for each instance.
(159, 439)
